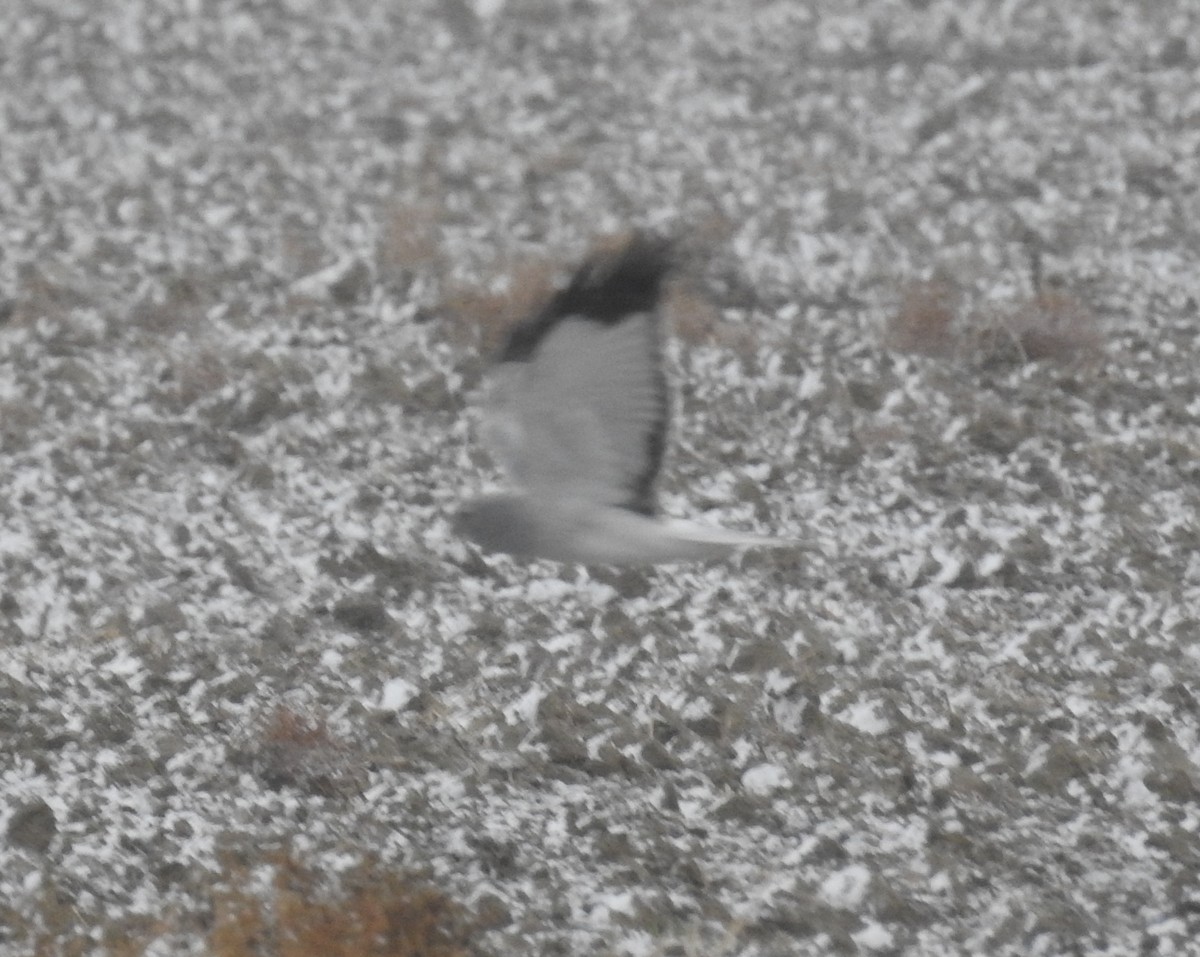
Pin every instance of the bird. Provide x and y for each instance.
(576, 413)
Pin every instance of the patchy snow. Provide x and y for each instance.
(248, 259)
(847, 888)
(866, 717)
(764, 778)
(397, 694)
(873, 936)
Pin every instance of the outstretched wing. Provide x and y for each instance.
(578, 410)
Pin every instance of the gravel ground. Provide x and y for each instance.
(939, 322)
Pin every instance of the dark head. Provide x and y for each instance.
(617, 279)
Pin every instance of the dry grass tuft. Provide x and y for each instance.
(298, 751)
(48, 290)
(179, 304)
(696, 321)
(379, 912)
(1057, 326)
(19, 421)
(197, 374)
(693, 318)
(480, 318)
(925, 321)
(301, 250)
(373, 913)
(408, 241)
(1052, 325)
(58, 930)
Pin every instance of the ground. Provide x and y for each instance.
(937, 321)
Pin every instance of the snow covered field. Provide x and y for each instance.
(940, 322)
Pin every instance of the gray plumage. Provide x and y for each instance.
(577, 416)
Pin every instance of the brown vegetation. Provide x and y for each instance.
(378, 914)
(408, 241)
(925, 321)
(481, 317)
(298, 751)
(1052, 325)
(375, 912)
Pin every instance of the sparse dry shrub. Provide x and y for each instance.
(273, 388)
(301, 250)
(232, 391)
(481, 317)
(297, 750)
(239, 929)
(294, 730)
(378, 913)
(133, 941)
(48, 290)
(58, 930)
(201, 372)
(178, 304)
(693, 319)
(925, 320)
(408, 240)
(1055, 325)
(712, 230)
(1050, 325)
(696, 321)
(374, 912)
(72, 312)
(382, 381)
(19, 420)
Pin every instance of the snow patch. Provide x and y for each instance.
(525, 707)
(397, 694)
(873, 936)
(763, 779)
(847, 888)
(865, 716)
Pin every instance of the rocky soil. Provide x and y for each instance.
(939, 321)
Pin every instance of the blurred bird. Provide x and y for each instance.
(577, 417)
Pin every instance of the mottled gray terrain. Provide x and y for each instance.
(939, 321)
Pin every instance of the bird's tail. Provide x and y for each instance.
(706, 541)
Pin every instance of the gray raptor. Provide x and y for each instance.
(576, 414)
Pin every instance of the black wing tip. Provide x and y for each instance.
(621, 276)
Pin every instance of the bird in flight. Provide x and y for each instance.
(577, 415)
